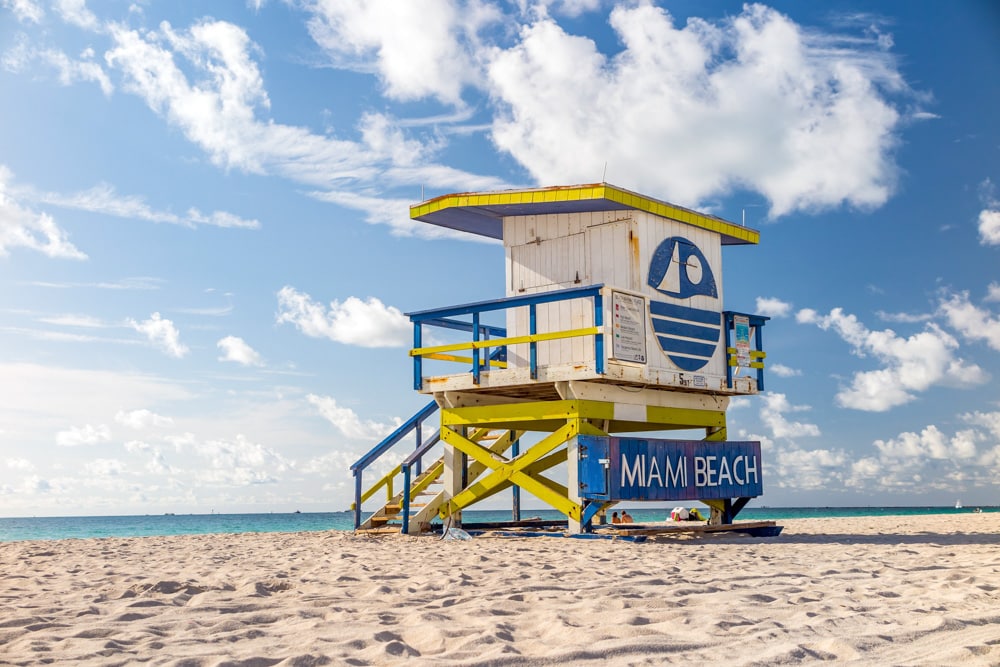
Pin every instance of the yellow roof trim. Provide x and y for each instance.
(483, 212)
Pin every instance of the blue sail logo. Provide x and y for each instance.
(688, 336)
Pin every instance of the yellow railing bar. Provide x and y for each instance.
(753, 364)
(465, 360)
(386, 481)
(754, 354)
(431, 474)
(500, 342)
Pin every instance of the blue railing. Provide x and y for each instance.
(414, 460)
(413, 424)
(482, 342)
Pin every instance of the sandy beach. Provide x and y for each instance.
(887, 591)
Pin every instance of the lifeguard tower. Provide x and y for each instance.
(612, 325)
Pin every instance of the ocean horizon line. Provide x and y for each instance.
(170, 523)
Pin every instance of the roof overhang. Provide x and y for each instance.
(482, 213)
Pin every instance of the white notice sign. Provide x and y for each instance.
(742, 325)
(629, 318)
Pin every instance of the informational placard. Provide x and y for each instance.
(616, 468)
(629, 320)
(741, 323)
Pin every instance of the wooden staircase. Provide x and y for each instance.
(426, 496)
(426, 492)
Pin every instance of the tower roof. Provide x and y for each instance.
(483, 212)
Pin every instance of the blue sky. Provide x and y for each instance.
(205, 249)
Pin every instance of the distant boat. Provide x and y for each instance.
(958, 504)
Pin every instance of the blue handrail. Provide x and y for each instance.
(442, 317)
(407, 465)
(357, 468)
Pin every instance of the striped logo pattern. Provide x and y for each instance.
(689, 336)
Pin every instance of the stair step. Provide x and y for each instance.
(382, 520)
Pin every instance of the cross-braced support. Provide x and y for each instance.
(563, 421)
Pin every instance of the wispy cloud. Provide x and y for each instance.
(83, 435)
(141, 419)
(161, 333)
(24, 10)
(103, 199)
(347, 421)
(773, 415)
(137, 283)
(20, 227)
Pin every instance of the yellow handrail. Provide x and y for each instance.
(500, 342)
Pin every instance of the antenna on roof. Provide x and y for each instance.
(421, 193)
(604, 176)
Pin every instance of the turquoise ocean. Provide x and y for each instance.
(79, 527)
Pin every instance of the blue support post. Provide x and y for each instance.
(758, 341)
(420, 441)
(532, 346)
(475, 350)
(599, 338)
(728, 318)
(406, 500)
(418, 379)
(515, 451)
(357, 498)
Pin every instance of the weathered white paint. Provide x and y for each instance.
(557, 251)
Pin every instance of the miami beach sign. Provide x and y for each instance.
(616, 468)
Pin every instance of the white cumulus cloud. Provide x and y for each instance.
(773, 307)
(909, 364)
(972, 322)
(236, 349)
(435, 60)
(989, 227)
(784, 371)
(162, 333)
(753, 101)
(368, 323)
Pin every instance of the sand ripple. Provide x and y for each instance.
(915, 591)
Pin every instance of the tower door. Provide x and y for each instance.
(613, 255)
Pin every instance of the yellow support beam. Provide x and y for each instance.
(513, 471)
(495, 363)
(527, 413)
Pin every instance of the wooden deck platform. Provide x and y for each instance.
(753, 528)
